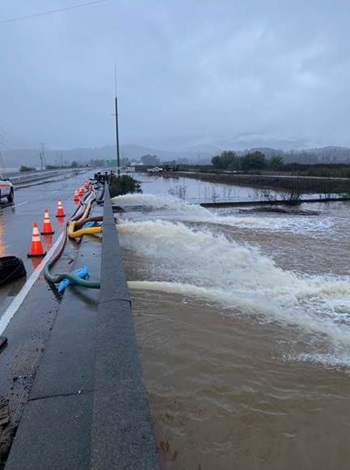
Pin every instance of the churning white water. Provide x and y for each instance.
(165, 208)
(203, 263)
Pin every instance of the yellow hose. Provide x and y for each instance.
(72, 233)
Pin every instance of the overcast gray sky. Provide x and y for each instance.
(189, 72)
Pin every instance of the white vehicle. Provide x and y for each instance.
(155, 169)
(6, 189)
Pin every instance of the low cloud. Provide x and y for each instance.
(189, 72)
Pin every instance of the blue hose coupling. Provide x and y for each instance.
(83, 273)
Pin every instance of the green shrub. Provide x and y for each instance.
(26, 168)
(123, 185)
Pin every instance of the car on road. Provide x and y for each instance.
(155, 169)
(6, 189)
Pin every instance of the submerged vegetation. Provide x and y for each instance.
(269, 174)
(123, 185)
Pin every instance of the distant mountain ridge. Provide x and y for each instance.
(196, 154)
(17, 157)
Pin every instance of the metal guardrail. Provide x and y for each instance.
(23, 178)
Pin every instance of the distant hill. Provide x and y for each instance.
(250, 141)
(195, 154)
(200, 153)
(331, 154)
(17, 157)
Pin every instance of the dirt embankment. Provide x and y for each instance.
(303, 185)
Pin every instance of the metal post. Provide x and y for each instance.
(1, 146)
(117, 133)
(42, 155)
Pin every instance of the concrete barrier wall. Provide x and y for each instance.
(122, 430)
(88, 406)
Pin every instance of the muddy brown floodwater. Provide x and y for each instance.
(243, 325)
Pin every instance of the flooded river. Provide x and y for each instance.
(243, 323)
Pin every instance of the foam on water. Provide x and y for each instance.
(157, 202)
(214, 269)
(328, 360)
(292, 223)
(175, 209)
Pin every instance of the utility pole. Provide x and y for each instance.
(117, 134)
(116, 120)
(42, 155)
(1, 146)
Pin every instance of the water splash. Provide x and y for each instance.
(160, 202)
(223, 272)
(169, 208)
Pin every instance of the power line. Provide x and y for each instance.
(49, 12)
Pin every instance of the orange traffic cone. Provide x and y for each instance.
(81, 191)
(60, 211)
(76, 197)
(36, 247)
(47, 227)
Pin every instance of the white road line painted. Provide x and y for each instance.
(18, 300)
(13, 206)
(20, 204)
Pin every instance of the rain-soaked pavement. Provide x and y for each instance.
(71, 379)
(27, 335)
(16, 222)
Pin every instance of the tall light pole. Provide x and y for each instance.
(42, 156)
(1, 146)
(116, 120)
(117, 133)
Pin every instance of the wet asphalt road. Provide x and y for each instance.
(16, 223)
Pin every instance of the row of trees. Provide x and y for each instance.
(153, 160)
(74, 164)
(150, 160)
(229, 160)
